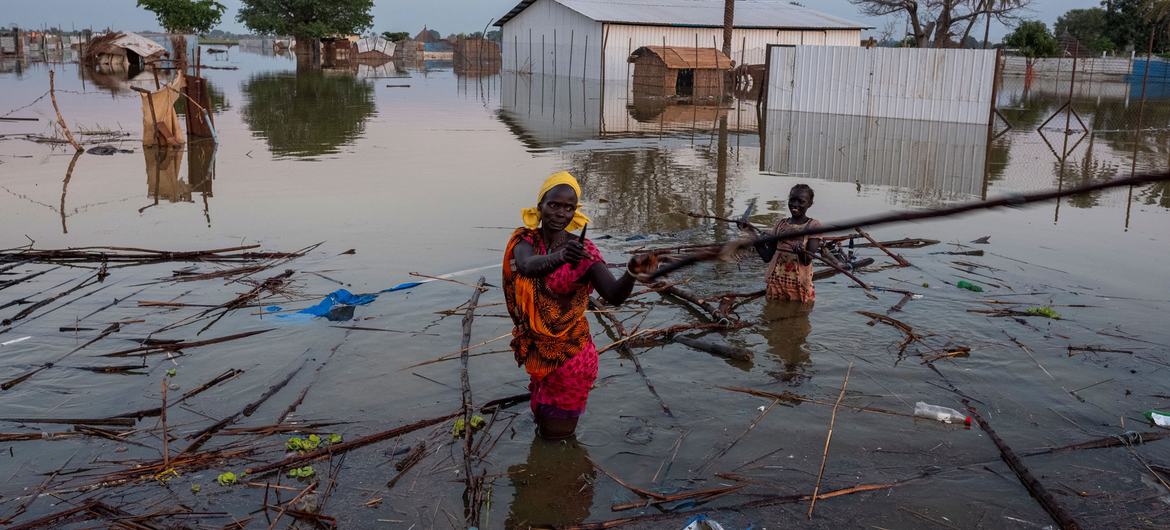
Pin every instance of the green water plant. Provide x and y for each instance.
(477, 423)
(171, 372)
(301, 472)
(311, 442)
(1043, 311)
(227, 478)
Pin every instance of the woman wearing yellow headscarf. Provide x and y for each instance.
(549, 273)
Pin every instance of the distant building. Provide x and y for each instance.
(591, 39)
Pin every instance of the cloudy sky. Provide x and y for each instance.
(447, 16)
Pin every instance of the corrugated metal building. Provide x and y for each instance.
(591, 39)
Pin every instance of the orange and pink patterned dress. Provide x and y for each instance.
(551, 339)
(787, 278)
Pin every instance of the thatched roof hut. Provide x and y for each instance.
(679, 71)
(122, 50)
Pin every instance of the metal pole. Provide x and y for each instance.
(1137, 133)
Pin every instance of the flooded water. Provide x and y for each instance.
(429, 178)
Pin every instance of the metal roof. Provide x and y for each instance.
(757, 14)
(677, 57)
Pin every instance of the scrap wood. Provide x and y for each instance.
(85, 282)
(824, 274)
(1014, 200)
(199, 438)
(57, 518)
(161, 347)
(28, 436)
(1030, 482)
(961, 351)
(120, 422)
(758, 503)
(708, 310)
(828, 438)
(751, 426)
(271, 284)
(624, 348)
(896, 257)
(1119, 440)
(790, 397)
(10, 283)
(407, 462)
(472, 487)
(901, 326)
(721, 350)
(698, 495)
(60, 119)
(130, 254)
(345, 447)
(1094, 349)
(112, 328)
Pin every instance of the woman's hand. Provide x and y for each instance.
(572, 252)
(643, 264)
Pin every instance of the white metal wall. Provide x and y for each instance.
(748, 46)
(550, 39)
(908, 83)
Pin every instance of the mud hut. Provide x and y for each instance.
(122, 51)
(679, 71)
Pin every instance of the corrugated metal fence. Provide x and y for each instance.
(948, 85)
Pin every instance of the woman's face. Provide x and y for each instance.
(799, 202)
(558, 207)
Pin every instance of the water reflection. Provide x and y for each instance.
(164, 165)
(554, 488)
(786, 326)
(309, 113)
(926, 162)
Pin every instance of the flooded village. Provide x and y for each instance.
(258, 280)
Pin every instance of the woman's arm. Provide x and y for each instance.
(615, 291)
(533, 265)
(812, 248)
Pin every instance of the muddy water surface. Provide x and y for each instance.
(429, 178)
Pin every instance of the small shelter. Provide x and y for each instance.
(122, 50)
(680, 71)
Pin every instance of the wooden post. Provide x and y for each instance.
(572, 48)
(60, 119)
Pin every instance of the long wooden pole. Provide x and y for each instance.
(828, 438)
(470, 496)
(1013, 200)
(60, 119)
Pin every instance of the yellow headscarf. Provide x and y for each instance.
(531, 216)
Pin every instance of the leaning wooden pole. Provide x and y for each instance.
(470, 493)
(60, 119)
(1030, 482)
(828, 438)
(1013, 200)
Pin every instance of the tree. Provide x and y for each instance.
(307, 114)
(1033, 40)
(395, 36)
(1129, 23)
(306, 19)
(728, 25)
(495, 35)
(1087, 26)
(185, 16)
(942, 23)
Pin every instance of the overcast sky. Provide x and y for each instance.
(446, 16)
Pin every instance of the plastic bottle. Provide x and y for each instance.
(964, 284)
(943, 414)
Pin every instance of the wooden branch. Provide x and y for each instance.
(471, 508)
(1015, 200)
(828, 437)
(1030, 482)
(60, 119)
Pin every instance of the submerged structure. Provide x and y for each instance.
(122, 51)
(666, 71)
(591, 39)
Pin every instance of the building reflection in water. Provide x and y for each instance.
(924, 162)
(163, 169)
(308, 113)
(554, 488)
